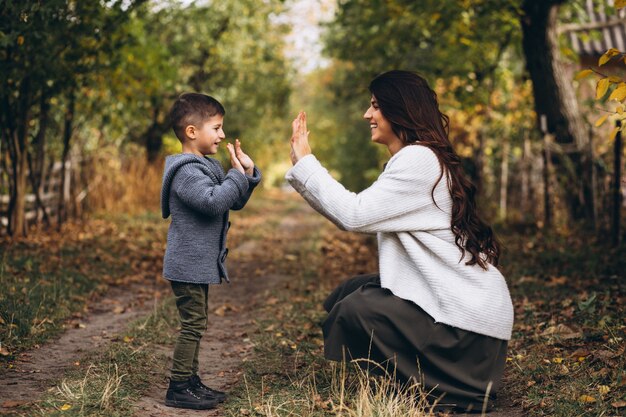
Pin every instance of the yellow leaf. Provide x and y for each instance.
(602, 88)
(620, 3)
(20, 40)
(604, 389)
(601, 120)
(607, 56)
(619, 109)
(613, 134)
(128, 339)
(615, 79)
(586, 399)
(65, 407)
(583, 74)
(557, 360)
(619, 93)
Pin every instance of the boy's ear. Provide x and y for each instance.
(190, 131)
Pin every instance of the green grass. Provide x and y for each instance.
(566, 357)
(567, 353)
(50, 276)
(107, 383)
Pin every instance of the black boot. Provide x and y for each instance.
(196, 382)
(184, 395)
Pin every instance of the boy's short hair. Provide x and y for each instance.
(193, 109)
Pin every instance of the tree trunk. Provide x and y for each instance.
(154, 137)
(525, 179)
(554, 97)
(504, 178)
(67, 136)
(547, 190)
(19, 164)
(36, 164)
(17, 207)
(617, 188)
(594, 180)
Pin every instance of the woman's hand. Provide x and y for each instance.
(234, 161)
(245, 161)
(299, 138)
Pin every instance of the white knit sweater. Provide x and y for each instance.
(419, 260)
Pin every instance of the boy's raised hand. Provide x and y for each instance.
(245, 161)
(233, 158)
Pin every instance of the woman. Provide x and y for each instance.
(438, 311)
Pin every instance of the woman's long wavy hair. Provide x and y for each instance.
(410, 105)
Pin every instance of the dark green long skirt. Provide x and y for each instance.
(457, 366)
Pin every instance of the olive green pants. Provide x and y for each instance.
(192, 304)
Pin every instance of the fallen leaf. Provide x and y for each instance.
(4, 351)
(619, 404)
(271, 301)
(561, 331)
(119, 310)
(586, 399)
(604, 354)
(224, 308)
(65, 407)
(554, 281)
(12, 404)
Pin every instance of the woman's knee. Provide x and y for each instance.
(348, 287)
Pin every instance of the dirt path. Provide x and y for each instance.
(225, 346)
(39, 369)
(226, 343)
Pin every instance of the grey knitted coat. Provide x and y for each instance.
(198, 195)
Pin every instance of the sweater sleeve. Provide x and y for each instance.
(399, 200)
(198, 191)
(253, 181)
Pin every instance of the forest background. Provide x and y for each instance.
(86, 87)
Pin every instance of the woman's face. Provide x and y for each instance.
(381, 128)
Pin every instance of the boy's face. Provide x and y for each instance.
(209, 135)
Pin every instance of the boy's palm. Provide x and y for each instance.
(234, 161)
(246, 162)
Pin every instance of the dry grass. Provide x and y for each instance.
(97, 389)
(347, 391)
(121, 184)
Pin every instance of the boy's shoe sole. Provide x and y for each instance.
(191, 405)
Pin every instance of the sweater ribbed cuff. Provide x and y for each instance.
(255, 178)
(303, 169)
(238, 178)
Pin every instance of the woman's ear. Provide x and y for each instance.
(190, 132)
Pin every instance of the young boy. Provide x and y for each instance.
(198, 195)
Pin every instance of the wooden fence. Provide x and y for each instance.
(49, 193)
